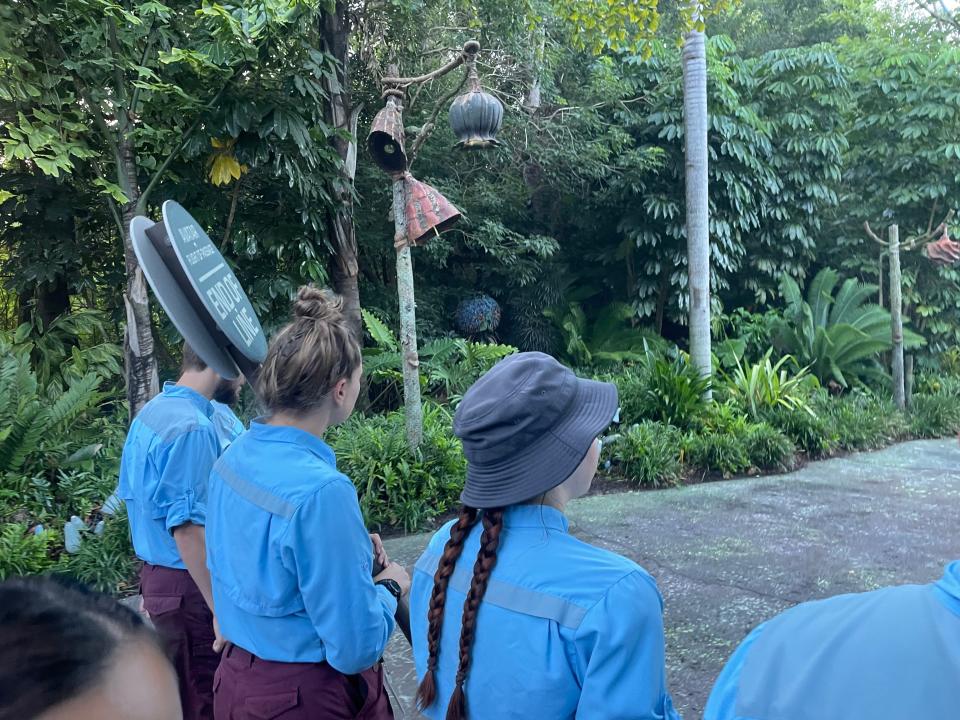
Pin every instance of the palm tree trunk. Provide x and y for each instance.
(698, 237)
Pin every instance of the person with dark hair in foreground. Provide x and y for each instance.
(164, 473)
(70, 654)
(288, 552)
(511, 616)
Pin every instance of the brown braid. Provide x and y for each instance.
(427, 691)
(486, 559)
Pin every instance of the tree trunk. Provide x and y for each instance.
(408, 321)
(896, 317)
(138, 352)
(344, 268)
(698, 238)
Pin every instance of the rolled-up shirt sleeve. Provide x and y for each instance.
(181, 494)
(331, 552)
(620, 647)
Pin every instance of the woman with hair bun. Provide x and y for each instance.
(511, 616)
(290, 560)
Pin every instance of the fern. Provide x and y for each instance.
(39, 426)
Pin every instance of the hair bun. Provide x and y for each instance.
(314, 303)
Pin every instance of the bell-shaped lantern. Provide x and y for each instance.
(428, 212)
(944, 251)
(475, 116)
(385, 140)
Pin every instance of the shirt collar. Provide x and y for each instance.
(535, 516)
(949, 586)
(171, 389)
(287, 434)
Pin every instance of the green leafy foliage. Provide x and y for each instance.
(673, 391)
(39, 423)
(933, 416)
(105, 562)
(861, 421)
(448, 366)
(648, 454)
(768, 448)
(722, 453)
(69, 348)
(611, 337)
(810, 432)
(776, 143)
(839, 337)
(765, 385)
(23, 552)
(730, 444)
(396, 488)
(903, 166)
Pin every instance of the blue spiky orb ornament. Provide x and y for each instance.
(476, 315)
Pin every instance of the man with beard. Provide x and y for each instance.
(170, 448)
(227, 425)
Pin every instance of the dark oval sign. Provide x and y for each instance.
(214, 283)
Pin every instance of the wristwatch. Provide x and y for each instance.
(392, 586)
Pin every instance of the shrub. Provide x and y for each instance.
(729, 443)
(809, 431)
(23, 552)
(397, 488)
(932, 416)
(764, 385)
(838, 337)
(631, 384)
(648, 454)
(768, 448)
(948, 385)
(672, 391)
(721, 452)
(106, 561)
(448, 366)
(861, 421)
(611, 338)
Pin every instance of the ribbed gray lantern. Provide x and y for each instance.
(475, 116)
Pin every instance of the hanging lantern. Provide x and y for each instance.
(427, 211)
(944, 251)
(475, 116)
(385, 140)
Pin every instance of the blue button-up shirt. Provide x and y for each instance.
(226, 423)
(164, 470)
(290, 559)
(565, 629)
(889, 654)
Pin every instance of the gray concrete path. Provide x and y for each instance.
(728, 555)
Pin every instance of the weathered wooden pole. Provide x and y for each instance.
(412, 406)
(896, 316)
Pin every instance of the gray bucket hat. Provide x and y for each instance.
(525, 426)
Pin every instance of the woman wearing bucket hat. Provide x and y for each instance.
(511, 616)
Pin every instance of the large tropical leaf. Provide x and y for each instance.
(820, 295)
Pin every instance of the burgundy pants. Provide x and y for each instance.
(248, 688)
(185, 624)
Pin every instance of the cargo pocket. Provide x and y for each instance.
(269, 707)
(159, 605)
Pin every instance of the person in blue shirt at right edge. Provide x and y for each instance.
(890, 654)
(511, 616)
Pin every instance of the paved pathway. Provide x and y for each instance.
(728, 555)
